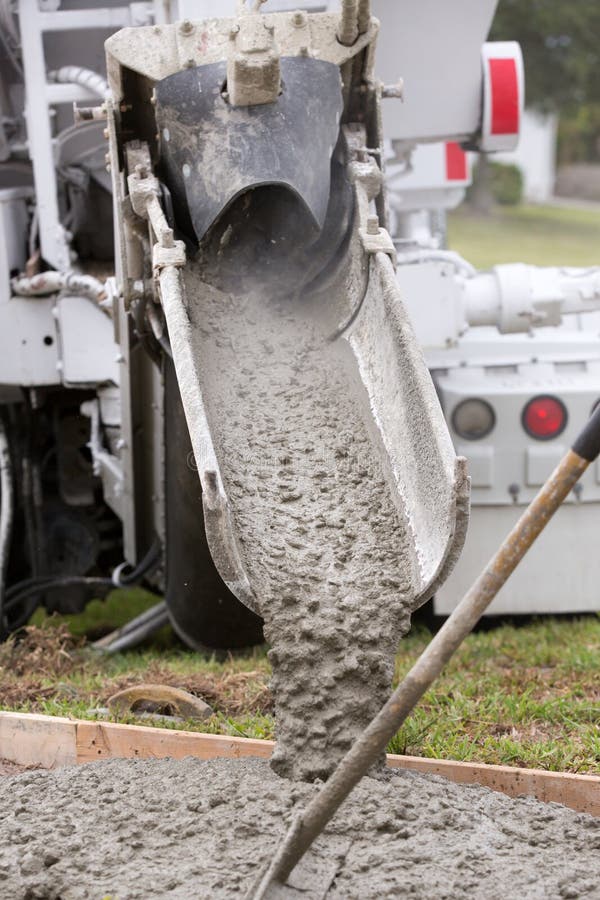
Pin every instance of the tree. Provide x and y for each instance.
(560, 40)
(561, 48)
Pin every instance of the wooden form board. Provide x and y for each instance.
(50, 742)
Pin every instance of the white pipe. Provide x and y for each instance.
(86, 78)
(6, 513)
(411, 257)
(518, 297)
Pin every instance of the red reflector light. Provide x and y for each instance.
(544, 418)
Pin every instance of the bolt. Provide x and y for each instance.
(186, 27)
(190, 63)
(393, 91)
(105, 134)
(299, 19)
(233, 32)
(373, 225)
(348, 26)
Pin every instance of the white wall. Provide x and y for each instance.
(536, 155)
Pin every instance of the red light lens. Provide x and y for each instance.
(544, 418)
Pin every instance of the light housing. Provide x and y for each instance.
(473, 419)
(544, 417)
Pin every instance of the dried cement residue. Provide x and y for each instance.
(323, 543)
(190, 830)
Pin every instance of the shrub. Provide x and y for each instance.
(506, 183)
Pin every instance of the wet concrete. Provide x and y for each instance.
(316, 513)
(133, 829)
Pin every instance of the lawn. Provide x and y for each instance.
(540, 235)
(522, 695)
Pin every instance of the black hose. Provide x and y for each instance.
(39, 587)
(148, 563)
(33, 587)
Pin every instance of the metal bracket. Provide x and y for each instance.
(144, 193)
(375, 239)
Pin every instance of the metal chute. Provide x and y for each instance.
(330, 490)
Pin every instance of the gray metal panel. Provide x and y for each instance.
(92, 360)
(28, 346)
(560, 573)
(436, 48)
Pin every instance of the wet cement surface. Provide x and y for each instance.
(137, 829)
(319, 525)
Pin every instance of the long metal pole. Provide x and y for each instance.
(373, 741)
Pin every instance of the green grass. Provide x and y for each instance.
(522, 695)
(540, 235)
(525, 695)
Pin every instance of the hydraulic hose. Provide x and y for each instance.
(31, 588)
(121, 578)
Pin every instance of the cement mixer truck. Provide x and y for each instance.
(208, 368)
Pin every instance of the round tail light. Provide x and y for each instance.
(544, 417)
(473, 419)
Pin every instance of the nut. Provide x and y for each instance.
(373, 225)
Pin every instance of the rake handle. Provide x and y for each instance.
(374, 739)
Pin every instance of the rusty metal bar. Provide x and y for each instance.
(373, 741)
